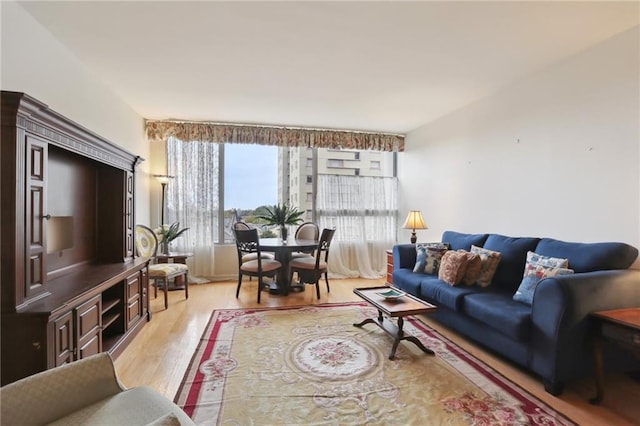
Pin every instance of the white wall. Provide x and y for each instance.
(37, 64)
(556, 154)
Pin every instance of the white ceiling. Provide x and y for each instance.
(380, 66)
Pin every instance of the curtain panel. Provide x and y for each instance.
(160, 131)
(364, 212)
(192, 200)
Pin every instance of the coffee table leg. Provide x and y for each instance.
(396, 332)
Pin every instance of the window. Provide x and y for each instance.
(309, 162)
(217, 184)
(375, 165)
(335, 164)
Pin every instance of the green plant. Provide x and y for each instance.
(168, 233)
(281, 215)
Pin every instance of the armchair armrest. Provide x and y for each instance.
(560, 323)
(55, 393)
(404, 256)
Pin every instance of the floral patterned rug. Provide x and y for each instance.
(310, 365)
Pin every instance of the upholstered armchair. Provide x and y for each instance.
(159, 273)
(85, 392)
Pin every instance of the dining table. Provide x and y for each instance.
(283, 250)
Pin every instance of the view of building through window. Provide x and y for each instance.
(256, 176)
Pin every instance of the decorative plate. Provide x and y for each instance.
(391, 293)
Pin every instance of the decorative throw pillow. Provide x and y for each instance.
(554, 262)
(490, 260)
(428, 256)
(534, 273)
(474, 267)
(452, 267)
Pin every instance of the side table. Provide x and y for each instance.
(619, 326)
(389, 267)
(174, 257)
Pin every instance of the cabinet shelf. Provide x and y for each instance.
(110, 319)
(109, 304)
(109, 342)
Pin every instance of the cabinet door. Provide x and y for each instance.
(63, 339)
(134, 299)
(129, 215)
(35, 223)
(144, 286)
(89, 327)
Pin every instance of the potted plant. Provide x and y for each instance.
(282, 215)
(166, 234)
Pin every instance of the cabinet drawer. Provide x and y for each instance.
(134, 311)
(89, 317)
(90, 346)
(133, 286)
(621, 334)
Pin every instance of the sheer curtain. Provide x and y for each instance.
(364, 212)
(193, 199)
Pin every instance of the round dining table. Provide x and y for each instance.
(282, 249)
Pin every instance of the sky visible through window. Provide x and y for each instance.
(251, 178)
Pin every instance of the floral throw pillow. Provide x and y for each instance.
(537, 268)
(474, 267)
(532, 277)
(453, 267)
(535, 258)
(490, 260)
(428, 256)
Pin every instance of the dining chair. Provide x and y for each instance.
(159, 273)
(251, 256)
(247, 242)
(309, 268)
(306, 231)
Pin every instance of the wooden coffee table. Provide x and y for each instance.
(394, 308)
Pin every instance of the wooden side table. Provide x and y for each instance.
(619, 326)
(174, 257)
(389, 267)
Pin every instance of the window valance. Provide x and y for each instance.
(160, 131)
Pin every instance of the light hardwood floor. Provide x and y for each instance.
(159, 355)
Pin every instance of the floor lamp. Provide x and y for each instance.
(164, 180)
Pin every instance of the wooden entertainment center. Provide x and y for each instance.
(71, 283)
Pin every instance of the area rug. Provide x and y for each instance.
(310, 365)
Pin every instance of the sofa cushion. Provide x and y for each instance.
(489, 261)
(589, 257)
(460, 241)
(513, 253)
(453, 267)
(407, 280)
(499, 311)
(443, 294)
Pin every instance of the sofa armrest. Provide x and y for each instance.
(560, 318)
(404, 256)
(55, 393)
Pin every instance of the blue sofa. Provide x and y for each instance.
(549, 337)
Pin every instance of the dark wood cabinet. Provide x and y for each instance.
(71, 285)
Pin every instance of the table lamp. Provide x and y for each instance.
(414, 221)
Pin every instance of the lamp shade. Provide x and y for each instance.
(163, 179)
(414, 220)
